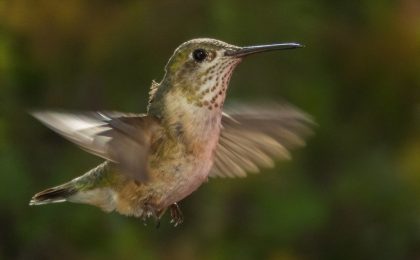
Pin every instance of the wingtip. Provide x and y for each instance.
(40, 115)
(36, 113)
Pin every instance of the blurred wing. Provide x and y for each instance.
(122, 138)
(252, 136)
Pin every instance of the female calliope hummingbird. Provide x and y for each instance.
(156, 159)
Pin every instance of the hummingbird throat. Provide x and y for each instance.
(208, 90)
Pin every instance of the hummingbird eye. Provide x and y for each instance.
(199, 55)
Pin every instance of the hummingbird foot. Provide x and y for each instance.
(150, 212)
(176, 215)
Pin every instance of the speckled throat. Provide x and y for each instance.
(209, 91)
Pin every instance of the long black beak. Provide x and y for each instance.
(244, 51)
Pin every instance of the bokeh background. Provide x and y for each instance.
(352, 193)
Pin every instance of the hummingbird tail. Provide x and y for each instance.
(54, 195)
(93, 188)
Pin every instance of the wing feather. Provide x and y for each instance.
(253, 136)
(119, 137)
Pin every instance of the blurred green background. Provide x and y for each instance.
(352, 193)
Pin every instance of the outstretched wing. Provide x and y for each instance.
(122, 138)
(252, 136)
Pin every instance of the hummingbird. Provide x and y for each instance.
(156, 159)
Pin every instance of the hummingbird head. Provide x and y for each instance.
(200, 69)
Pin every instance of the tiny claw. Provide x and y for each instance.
(176, 215)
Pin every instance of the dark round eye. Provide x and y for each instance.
(199, 55)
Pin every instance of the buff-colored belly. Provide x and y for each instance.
(170, 183)
(187, 182)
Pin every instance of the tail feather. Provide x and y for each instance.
(53, 195)
(92, 188)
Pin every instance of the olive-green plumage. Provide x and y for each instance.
(154, 160)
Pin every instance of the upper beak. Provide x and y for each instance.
(244, 51)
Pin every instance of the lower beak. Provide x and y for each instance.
(244, 51)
